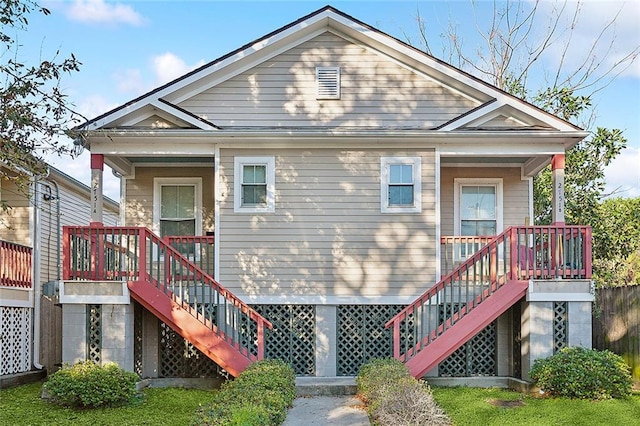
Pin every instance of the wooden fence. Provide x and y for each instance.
(616, 324)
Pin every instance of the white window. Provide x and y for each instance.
(327, 82)
(254, 184)
(400, 185)
(177, 206)
(478, 207)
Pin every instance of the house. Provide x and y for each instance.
(327, 194)
(31, 265)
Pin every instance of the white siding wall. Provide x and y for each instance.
(374, 92)
(327, 236)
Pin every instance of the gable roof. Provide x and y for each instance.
(166, 97)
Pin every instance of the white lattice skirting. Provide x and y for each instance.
(15, 340)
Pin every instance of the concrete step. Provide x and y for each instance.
(325, 386)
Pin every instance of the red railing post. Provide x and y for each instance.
(66, 252)
(587, 252)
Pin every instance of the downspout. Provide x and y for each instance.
(35, 258)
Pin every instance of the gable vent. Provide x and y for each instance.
(328, 82)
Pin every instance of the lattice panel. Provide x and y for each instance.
(138, 315)
(477, 357)
(560, 335)
(94, 333)
(362, 336)
(15, 340)
(179, 358)
(293, 337)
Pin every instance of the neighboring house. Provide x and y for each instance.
(31, 265)
(327, 194)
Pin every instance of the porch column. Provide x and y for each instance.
(557, 174)
(97, 168)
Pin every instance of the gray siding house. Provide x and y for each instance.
(327, 194)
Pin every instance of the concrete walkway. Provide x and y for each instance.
(344, 410)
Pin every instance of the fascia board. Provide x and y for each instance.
(175, 112)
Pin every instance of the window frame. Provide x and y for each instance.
(159, 182)
(497, 183)
(385, 164)
(238, 164)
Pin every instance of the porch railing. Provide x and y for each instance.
(519, 253)
(15, 265)
(137, 254)
(198, 249)
(455, 250)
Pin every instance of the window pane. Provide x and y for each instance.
(177, 227)
(478, 202)
(401, 195)
(401, 173)
(254, 195)
(177, 201)
(254, 174)
(169, 201)
(478, 227)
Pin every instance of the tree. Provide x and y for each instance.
(616, 247)
(517, 36)
(33, 110)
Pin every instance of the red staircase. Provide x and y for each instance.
(171, 286)
(482, 287)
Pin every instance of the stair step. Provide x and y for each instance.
(325, 386)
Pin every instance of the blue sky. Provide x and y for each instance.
(130, 47)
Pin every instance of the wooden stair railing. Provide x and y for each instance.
(172, 287)
(482, 287)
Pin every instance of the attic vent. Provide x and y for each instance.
(328, 82)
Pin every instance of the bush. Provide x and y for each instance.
(259, 396)
(377, 375)
(88, 385)
(581, 373)
(394, 397)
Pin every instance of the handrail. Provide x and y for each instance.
(15, 265)
(137, 254)
(518, 253)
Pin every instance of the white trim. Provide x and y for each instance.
(84, 299)
(496, 182)
(270, 164)
(385, 162)
(181, 115)
(196, 182)
(217, 197)
(560, 297)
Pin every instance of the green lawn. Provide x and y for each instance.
(472, 406)
(22, 405)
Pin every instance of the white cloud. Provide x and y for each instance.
(623, 174)
(130, 81)
(94, 105)
(168, 66)
(98, 11)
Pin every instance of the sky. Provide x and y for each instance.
(130, 47)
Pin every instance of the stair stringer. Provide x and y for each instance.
(182, 322)
(467, 327)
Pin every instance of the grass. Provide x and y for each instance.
(22, 405)
(473, 406)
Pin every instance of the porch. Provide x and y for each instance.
(486, 279)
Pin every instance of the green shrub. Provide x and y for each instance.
(88, 385)
(259, 396)
(581, 373)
